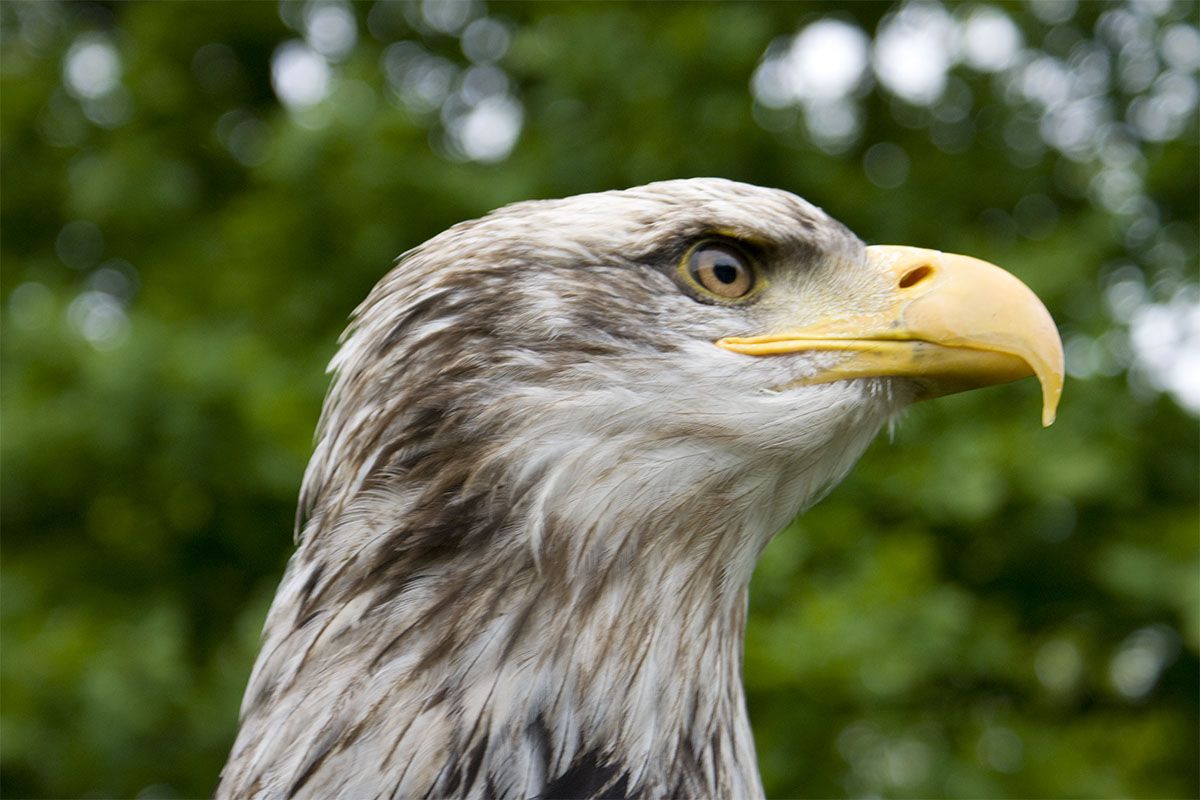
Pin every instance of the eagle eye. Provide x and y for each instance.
(720, 269)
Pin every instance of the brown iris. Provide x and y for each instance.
(721, 270)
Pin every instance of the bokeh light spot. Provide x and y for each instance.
(991, 40)
(92, 67)
(79, 244)
(914, 51)
(330, 29)
(299, 75)
(886, 165)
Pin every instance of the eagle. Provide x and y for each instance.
(557, 441)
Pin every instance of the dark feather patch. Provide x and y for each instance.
(588, 778)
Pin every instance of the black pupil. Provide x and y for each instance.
(725, 273)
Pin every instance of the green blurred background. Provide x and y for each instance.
(196, 195)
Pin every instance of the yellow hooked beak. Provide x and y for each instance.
(948, 322)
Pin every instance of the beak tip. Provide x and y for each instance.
(1052, 386)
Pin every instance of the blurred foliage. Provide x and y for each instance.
(983, 609)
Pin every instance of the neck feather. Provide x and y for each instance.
(569, 638)
(528, 597)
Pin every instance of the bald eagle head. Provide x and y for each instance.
(558, 440)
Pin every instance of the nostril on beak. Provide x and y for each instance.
(915, 276)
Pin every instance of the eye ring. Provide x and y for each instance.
(720, 270)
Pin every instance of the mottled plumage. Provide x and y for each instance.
(537, 497)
